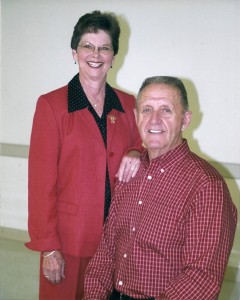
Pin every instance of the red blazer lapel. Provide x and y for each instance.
(89, 121)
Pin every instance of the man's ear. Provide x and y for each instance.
(135, 114)
(186, 120)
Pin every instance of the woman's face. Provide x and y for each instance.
(94, 55)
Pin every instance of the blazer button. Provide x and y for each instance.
(111, 154)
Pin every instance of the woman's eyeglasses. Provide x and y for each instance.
(90, 48)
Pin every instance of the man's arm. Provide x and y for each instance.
(98, 283)
(209, 238)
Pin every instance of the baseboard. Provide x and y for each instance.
(232, 274)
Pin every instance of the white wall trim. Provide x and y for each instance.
(228, 170)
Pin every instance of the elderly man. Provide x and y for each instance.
(171, 228)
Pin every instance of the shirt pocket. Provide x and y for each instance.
(162, 228)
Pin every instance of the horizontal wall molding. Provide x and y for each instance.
(14, 150)
(228, 170)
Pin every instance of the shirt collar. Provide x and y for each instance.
(169, 158)
(78, 100)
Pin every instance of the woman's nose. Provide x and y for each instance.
(96, 51)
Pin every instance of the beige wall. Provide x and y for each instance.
(199, 41)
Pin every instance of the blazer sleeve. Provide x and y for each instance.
(42, 178)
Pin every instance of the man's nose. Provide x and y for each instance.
(156, 117)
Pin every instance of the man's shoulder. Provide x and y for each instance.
(204, 167)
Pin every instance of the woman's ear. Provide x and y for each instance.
(74, 54)
(113, 59)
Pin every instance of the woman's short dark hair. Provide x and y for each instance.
(94, 21)
(171, 81)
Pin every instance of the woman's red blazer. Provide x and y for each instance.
(67, 168)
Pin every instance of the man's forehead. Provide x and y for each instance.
(159, 100)
(160, 92)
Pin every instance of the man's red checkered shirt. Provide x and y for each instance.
(169, 233)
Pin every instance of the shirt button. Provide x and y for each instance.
(162, 170)
(133, 229)
(120, 283)
(125, 255)
(140, 202)
(149, 177)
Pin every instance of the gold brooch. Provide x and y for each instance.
(112, 119)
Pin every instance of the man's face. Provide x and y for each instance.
(160, 118)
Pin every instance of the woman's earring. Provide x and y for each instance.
(75, 62)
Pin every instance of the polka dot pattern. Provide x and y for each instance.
(77, 100)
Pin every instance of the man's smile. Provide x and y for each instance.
(155, 131)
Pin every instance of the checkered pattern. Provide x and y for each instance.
(169, 233)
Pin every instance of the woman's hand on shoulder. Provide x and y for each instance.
(129, 166)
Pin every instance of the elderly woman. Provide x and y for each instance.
(83, 136)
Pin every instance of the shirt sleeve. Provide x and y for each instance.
(42, 177)
(210, 233)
